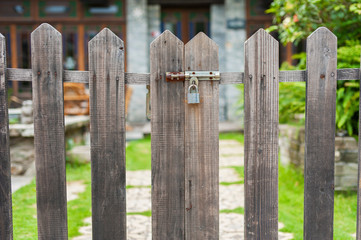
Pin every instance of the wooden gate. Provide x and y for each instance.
(185, 202)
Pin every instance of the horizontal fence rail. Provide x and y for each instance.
(16, 74)
(185, 147)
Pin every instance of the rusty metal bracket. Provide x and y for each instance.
(174, 76)
(187, 75)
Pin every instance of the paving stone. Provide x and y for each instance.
(139, 178)
(229, 143)
(138, 227)
(73, 189)
(229, 161)
(138, 199)
(229, 150)
(228, 175)
(231, 226)
(231, 197)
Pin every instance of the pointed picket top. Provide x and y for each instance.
(261, 33)
(166, 35)
(201, 51)
(3, 46)
(106, 34)
(45, 27)
(204, 39)
(322, 31)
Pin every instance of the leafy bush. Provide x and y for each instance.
(297, 19)
(292, 95)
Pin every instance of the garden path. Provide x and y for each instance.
(231, 199)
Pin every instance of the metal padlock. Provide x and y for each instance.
(193, 95)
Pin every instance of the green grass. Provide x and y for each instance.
(291, 186)
(24, 200)
(239, 210)
(24, 205)
(145, 213)
(139, 155)
(232, 136)
(240, 172)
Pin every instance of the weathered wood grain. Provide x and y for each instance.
(358, 227)
(231, 78)
(49, 137)
(6, 223)
(261, 136)
(320, 134)
(16, 74)
(202, 144)
(107, 131)
(293, 76)
(167, 129)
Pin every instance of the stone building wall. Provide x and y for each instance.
(143, 26)
(292, 151)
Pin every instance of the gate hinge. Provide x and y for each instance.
(186, 76)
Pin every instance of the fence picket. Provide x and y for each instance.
(6, 227)
(261, 136)
(167, 120)
(358, 228)
(107, 130)
(202, 144)
(320, 134)
(49, 136)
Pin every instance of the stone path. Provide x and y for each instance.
(231, 197)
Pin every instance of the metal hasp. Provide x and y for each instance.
(203, 75)
(186, 76)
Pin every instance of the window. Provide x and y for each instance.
(55, 9)
(15, 8)
(70, 47)
(113, 9)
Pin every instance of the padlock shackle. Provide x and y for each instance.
(190, 87)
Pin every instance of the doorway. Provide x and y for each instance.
(185, 22)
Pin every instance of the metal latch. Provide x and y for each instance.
(193, 77)
(187, 75)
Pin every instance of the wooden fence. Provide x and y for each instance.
(185, 202)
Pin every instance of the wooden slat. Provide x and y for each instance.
(232, 78)
(14, 55)
(107, 131)
(348, 74)
(6, 225)
(15, 74)
(76, 76)
(49, 139)
(202, 144)
(293, 76)
(167, 128)
(320, 134)
(137, 78)
(261, 136)
(358, 228)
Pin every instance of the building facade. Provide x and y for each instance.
(138, 23)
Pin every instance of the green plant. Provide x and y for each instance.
(297, 19)
(293, 95)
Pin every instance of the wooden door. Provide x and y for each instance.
(185, 22)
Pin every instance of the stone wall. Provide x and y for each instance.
(22, 152)
(143, 26)
(292, 151)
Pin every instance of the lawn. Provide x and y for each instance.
(291, 206)
(138, 158)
